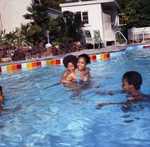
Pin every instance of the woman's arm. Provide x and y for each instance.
(69, 78)
(86, 71)
(64, 76)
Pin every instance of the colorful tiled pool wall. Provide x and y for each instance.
(39, 64)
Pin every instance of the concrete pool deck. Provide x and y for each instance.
(108, 49)
(95, 54)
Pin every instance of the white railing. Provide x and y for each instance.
(138, 34)
(123, 37)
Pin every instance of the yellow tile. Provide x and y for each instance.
(9, 67)
(48, 62)
(29, 65)
(102, 56)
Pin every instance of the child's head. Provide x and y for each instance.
(70, 62)
(1, 90)
(131, 78)
(83, 60)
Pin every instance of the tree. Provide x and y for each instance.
(68, 27)
(38, 14)
(135, 12)
(40, 19)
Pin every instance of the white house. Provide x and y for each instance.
(12, 11)
(100, 17)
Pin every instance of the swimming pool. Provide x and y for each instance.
(60, 116)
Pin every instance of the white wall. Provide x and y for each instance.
(94, 16)
(11, 12)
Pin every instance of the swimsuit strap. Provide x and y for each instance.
(78, 78)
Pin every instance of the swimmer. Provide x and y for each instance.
(82, 73)
(131, 84)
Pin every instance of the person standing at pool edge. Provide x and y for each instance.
(81, 73)
(131, 83)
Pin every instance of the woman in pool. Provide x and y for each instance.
(78, 75)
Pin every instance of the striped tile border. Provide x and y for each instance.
(39, 64)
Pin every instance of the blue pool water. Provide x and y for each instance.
(64, 117)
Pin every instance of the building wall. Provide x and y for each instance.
(95, 21)
(110, 21)
(11, 14)
(12, 11)
(102, 14)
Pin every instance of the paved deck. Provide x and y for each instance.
(108, 49)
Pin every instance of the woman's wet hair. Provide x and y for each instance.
(133, 78)
(70, 58)
(87, 58)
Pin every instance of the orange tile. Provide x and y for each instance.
(14, 67)
(91, 58)
(53, 61)
(34, 64)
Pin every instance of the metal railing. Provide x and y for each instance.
(123, 37)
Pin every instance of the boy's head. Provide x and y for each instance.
(70, 61)
(131, 78)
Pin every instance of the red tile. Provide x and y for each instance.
(19, 66)
(58, 61)
(108, 55)
(94, 57)
(38, 63)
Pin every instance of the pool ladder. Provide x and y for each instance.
(123, 37)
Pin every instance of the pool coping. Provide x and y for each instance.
(95, 54)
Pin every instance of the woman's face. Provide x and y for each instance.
(81, 64)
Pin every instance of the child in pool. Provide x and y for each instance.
(2, 97)
(70, 62)
(81, 73)
(131, 83)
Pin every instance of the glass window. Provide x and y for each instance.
(36, 1)
(83, 16)
(87, 33)
(79, 15)
(96, 33)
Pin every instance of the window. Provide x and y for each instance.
(36, 1)
(87, 34)
(83, 16)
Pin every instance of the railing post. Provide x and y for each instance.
(123, 37)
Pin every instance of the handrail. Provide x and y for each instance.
(123, 37)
